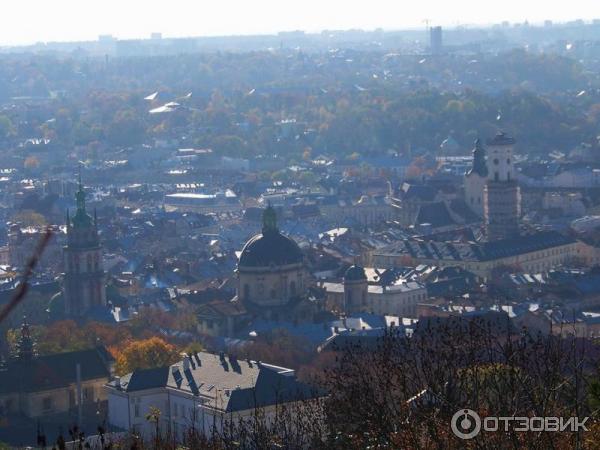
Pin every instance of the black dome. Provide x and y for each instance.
(501, 138)
(270, 248)
(355, 273)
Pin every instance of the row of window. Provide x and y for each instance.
(179, 410)
(272, 293)
(92, 263)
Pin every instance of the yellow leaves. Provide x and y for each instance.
(145, 354)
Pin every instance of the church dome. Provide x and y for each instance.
(355, 273)
(271, 248)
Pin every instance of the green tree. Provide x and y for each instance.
(6, 126)
(126, 129)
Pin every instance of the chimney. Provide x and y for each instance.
(117, 381)
(186, 363)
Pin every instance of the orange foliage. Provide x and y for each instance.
(145, 354)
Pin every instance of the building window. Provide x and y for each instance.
(47, 404)
(88, 394)
(136, 407)
(246, 292)
(293, 288)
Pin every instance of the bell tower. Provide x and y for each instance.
(502, 196)
(84, 280)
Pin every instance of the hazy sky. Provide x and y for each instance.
(28, 21)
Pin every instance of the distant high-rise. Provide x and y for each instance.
(83, 287)
(435, 40)
(106, 38)
(502, 197)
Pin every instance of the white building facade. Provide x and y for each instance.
(204, 392)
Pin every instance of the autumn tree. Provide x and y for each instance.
(401, 392)
(29, 218)
(31, 162)
(146, 354)
(126, 128)
(67, 335)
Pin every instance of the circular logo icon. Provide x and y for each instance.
(466, 424)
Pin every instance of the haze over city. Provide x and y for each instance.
(315, 225)
(30, 21)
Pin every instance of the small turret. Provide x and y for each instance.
(356, 289)
(270, 220)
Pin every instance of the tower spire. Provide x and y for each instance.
(81, 217)
(26, 344)
(479, 163)
(80, 196)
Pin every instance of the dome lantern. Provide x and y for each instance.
(269, 220)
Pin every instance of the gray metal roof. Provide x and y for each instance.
(222, 382)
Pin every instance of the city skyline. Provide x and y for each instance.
(65, 20)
